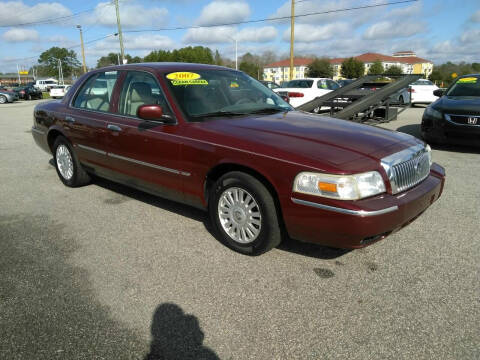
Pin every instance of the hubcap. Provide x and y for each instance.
(3, 99)
(239, 215)
(64, 162)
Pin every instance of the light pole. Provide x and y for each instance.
(79, 27)
(236, 48)
(120, 37)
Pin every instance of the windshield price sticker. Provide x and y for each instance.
(190, 82)
(186, 78)
(468, 80)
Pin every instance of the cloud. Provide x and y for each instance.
(475, 17)
(212, 35)
(16, 12)
(393, 29)
(311, 33)
(20, 35)
(132, 43)
(130, 14)
(228, 34)
(224, 12)
(470, 37)
(405, 12)
(329, 8)
(258, 35)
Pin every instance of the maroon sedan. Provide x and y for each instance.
(216, 139)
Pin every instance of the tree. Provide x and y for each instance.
(197, 54)
(217, 58)
(376, 68)
(320, 68)
(110, 59)
(48, 61)
(352, 68)
(250, 68)
(393, 70)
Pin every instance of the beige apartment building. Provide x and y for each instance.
(408, 61)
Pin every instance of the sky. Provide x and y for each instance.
(438, 30)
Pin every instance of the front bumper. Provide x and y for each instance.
(356, 224)
(444, 131)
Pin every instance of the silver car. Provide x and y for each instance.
(7, 96)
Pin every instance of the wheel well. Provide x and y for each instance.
(218, 171)
(52, 135)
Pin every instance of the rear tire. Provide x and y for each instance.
(244, 214)
(69, 169)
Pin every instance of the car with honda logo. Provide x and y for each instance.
(455, 116)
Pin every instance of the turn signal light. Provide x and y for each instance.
(324, 186)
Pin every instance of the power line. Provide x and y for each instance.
(68, 48)
(272, 19)
(57, 19)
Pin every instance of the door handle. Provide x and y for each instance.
(69, 119)
(114, 127)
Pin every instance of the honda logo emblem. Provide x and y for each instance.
(472, 121)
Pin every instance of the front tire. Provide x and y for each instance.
(69, 169)
(3, 99)
(244, 214)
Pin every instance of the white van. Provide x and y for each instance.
(45, 84)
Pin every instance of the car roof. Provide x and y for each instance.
(166, 67)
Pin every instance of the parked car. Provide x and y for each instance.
(270, 84)
(45, 85)
(216, 139)
(421, 92)
(301, 91)
(7, 96)
(59, 91)
(344, 82)
(455, 116)
(28, 92)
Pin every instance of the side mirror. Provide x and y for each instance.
(438, 92)
(154, 113)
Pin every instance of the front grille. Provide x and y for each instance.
(472, 120)
(407, 168)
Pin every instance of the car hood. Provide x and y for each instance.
(464, 105)
(309, 139)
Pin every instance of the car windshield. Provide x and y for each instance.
(466, 86)
(302, 84)
(422, 82)
(209, 93)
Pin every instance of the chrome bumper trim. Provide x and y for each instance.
(361, 213)
(38, 131)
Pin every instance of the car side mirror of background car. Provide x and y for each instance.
(438, 92)
(154, 113)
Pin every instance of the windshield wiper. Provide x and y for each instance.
(269, 110)
(218, 114)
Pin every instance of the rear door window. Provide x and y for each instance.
(96, 92)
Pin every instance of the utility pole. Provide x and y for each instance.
(292, 37)
(120, 37)
(79, 27)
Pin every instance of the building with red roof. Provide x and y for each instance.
(408, 61)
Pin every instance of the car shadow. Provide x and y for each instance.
(177, 335)
(414, 130)
(288, 244)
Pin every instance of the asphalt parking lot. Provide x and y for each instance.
(105, 272)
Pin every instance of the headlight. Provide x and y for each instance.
(343, 187)
(430, 111)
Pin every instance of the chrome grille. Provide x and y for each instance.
(407, 168)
